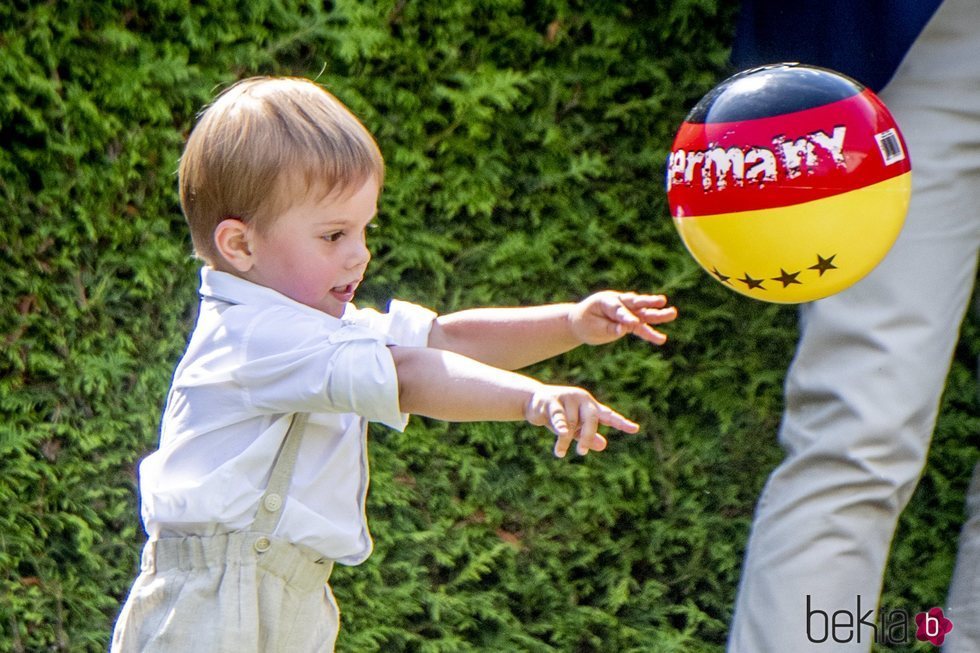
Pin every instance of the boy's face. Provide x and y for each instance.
(315, 251)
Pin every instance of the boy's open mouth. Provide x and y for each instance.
(344, 293)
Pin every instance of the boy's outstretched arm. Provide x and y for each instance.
(511, 338)
(448, 386)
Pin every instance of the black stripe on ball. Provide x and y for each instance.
(773, 90)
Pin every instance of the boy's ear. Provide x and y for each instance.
(231, 237)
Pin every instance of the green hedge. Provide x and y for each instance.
(525, 143)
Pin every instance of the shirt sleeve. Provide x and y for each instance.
(404, 324)
(297, 364)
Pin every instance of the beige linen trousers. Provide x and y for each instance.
(236, 592)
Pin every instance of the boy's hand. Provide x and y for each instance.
(574, 414)
(609, 315)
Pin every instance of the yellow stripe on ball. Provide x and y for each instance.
(801, 252)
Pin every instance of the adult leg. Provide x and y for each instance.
(964, 593)
(863, 390)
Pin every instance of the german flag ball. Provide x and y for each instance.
(789, 183)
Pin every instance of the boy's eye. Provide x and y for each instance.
(333, 236)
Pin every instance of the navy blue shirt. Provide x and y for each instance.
(864, 39)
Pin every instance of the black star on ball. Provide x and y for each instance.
(787, 278)
(752, 283)
(824, 264)
(724, 278)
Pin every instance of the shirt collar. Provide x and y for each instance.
(226, 287)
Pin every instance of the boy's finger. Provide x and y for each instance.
(657, 315)
(609, 417)
(589, 421)
(648, 333)
(636, 302)
(624, 315)
(559, 425)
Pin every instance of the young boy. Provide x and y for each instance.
(259, 483)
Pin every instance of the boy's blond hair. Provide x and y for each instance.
(253, 144)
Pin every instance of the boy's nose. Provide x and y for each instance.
(360, 256)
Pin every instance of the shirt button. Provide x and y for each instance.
(272, 502)
(262, 544)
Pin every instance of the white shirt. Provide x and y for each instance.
(255, 358)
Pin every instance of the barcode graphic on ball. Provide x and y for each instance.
(890, 146)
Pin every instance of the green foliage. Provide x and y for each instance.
(525, 144)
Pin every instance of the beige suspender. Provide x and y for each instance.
(274, 497)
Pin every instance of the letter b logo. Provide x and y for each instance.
(933, 626)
